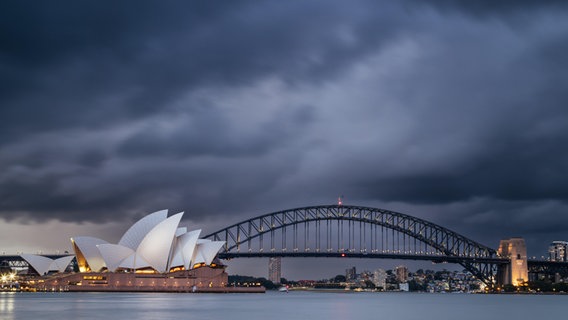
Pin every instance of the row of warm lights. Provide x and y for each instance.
(247, 284)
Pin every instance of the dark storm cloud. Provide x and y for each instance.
(89, 62)
(75, 67)
(488, 7)
(221, 138)
(454, 111)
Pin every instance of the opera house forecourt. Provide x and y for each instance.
(154, 255)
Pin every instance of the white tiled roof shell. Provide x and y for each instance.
(134, 261)
(114, 254)
(181, 231)
(135, 234)
(206, 251)
(43, 264)
(184, 249)
(38, 263)
(88, 247)
(156, 246)
(154, 241)
(61, 264)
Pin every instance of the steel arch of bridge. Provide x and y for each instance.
(354, 231)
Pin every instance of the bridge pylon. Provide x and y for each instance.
(516, 272)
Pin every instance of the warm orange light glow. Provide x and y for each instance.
(146, 271)
(181, 268)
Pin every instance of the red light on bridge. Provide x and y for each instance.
(343, 255)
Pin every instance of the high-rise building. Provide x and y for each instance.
(380, 278)
(275, 269)
(557, 251)
(401, 273)
(351, 274)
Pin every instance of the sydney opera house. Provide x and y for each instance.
(154, 244)
(155, 254)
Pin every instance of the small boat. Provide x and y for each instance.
(283, 289)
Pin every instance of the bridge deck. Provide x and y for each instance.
(433, 258)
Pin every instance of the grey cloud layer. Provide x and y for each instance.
(455, 111)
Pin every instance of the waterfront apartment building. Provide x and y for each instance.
(380, 278)
(557, 251)
(351, 274)
(401, 273)
(275, 269)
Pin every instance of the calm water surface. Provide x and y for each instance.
(275, 305)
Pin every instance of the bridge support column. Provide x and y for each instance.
(516, 272)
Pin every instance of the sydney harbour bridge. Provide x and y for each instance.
(357, 232)
(363, 232)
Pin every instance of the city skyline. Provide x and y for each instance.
(454, 113)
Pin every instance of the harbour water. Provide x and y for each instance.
(278, 305)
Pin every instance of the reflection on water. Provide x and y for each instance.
(7, 305)
(275, 305)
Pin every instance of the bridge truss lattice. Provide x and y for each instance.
(357, 232)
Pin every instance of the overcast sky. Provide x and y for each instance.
(451, 111)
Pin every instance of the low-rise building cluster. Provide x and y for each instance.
(401, 279)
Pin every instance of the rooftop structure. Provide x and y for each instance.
(43, 265)
(154, 244)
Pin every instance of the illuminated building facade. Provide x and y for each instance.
(154, 255)
(401, 273)
(380, 278)
(275, 269)
(557, 251)
(204, 279)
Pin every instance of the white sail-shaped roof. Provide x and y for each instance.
(114, 254)
(184, 249)
(198, 256)
(134, 261)
(43, 265)
(40, 264)
(206, 251)
(181, 231)
(134, 236)
(87, 253)
(61, 264)
(156, 246)
(176, 259)
(189, 244)
(154, 241)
